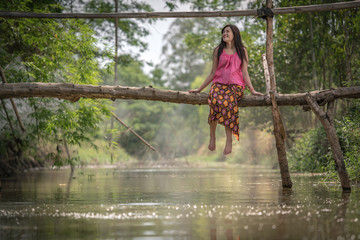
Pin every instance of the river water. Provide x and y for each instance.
(209, 203)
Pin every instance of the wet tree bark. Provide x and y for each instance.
(279, 129)
(326, 118)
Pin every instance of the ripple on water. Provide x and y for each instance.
(192, 204)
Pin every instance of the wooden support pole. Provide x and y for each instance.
(326, 120)
(133, 132)
(279, 129)
(115, 66)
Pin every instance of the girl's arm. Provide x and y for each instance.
(211, 75)
(244, 69)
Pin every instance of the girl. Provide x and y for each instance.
(229, 75)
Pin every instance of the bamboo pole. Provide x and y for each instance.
(115, 67)
(199, 14)
(267, 75)
(326, 120)
(74, 92)
(133, 132)
(12, 102)
(279, 129)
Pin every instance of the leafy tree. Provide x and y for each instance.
(130, 31)
(316, 50)
(44, 50)
(182, 64)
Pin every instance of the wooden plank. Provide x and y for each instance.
(198, 14)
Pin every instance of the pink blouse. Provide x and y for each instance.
(228, 70)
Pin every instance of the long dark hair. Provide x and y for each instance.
(237, 42)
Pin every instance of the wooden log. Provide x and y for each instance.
(279, 129)
(198, 14)
(326, 120)
(74, 92)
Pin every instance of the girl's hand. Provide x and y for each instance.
(253, 92)
(193, 90)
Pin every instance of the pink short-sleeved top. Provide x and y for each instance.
(228, 70)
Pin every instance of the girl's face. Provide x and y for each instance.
(227, 35)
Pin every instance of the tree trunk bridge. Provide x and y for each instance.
(74, 92)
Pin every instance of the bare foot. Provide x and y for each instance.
(228, 148)
(212, 145)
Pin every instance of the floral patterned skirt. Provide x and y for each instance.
(223, 101)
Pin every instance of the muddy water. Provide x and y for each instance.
(211, 203)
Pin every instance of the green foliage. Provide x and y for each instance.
(76, 123)
(131, 32)
(47, 50)
(182, 63)
(348, 130)
(317, 50)
(312, 153)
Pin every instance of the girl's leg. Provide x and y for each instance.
(228, 145)
(212, 144)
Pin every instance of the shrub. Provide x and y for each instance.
(312, 153)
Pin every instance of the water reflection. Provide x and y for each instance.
(243, 203)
